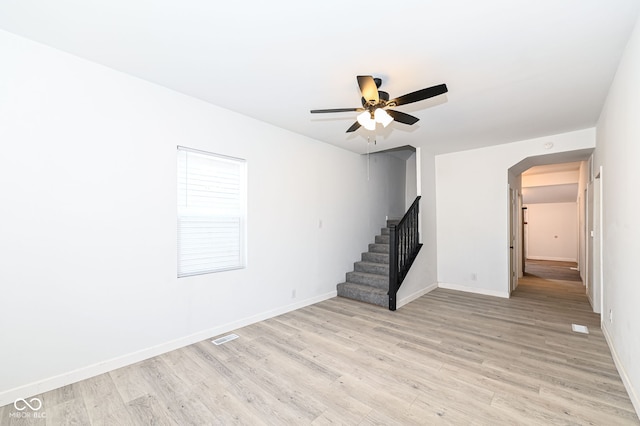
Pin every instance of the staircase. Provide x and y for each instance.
(369, 280)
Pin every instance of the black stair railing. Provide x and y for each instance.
(404, 245)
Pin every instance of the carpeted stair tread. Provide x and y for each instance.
(374, 280)
(369, 280)
(372, 267)
(364, 293)
(382, 239)
(375, 257)
(378, 248)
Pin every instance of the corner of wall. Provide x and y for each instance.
(633, 395)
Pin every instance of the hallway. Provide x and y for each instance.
(552, 270)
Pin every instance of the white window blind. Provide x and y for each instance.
(211, 212)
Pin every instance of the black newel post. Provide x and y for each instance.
(393, 266)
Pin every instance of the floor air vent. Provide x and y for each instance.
(580, 328)
(224, 339)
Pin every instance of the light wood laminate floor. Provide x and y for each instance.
(446, 358)
(550, 269)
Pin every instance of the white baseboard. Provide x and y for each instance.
(557, 259)
(503, 294)
(590, 301)
(410, 298)
(51, 383)
(633, 396)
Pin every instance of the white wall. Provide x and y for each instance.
(386, 189)
(411, 178)
(472, 207)
(554, 178)
(618, 152)
(88, 220)
(553, 231)
(423, 275)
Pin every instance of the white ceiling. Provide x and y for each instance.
(515, 69)
(553, 168)
(559, 191)
(565, 193)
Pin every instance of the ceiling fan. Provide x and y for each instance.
(376, 104)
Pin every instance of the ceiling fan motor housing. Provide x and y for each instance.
(384, 98)
(374, 100)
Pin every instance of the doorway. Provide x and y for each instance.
(552, 236)
(534, 191)
(513, 239)
(553, 270)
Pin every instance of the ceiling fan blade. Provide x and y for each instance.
(420, 95)
(316, 111)
(355, 126)
(368, 88)
(401, 117)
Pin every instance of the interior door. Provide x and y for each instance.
(590, 233)
(524, 233)
(596, 272)
(513, 253)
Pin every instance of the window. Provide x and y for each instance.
(211, 212)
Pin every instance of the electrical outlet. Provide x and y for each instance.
(474, 276)
(610, 315)
(293, 293)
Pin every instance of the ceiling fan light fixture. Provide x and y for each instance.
(366, 121)
(376, 105)
(381, 116)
